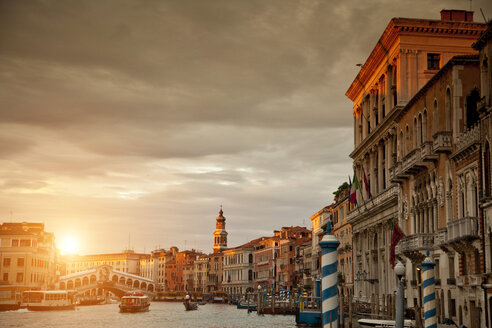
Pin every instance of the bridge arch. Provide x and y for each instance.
(129, 282)
(78, 283)
(150, 288)
(62, 285)
(85, 281)
(143, 285)
(93, 279)
(122, 280)
(70, 284)
(136, 284)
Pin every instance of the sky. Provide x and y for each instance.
(127, 123)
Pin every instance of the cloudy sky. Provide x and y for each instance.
(133, 121)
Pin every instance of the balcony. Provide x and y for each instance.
(374, 205)
(396, 174)
(412, 245)
(412, 163)
(470, 139)
(460, 281)
(464, 229)
(427, 153)
(442, 142)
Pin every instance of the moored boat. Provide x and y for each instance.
(189, 305)
(134, 302)
(219, 297)
(383, 323)
(48, 300)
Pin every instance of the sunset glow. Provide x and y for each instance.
(69, 245)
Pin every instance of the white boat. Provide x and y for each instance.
(383, 323)
(134, 302)
(48, 300)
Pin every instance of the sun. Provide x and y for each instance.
(69, 245)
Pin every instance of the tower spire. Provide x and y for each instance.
(220, 234)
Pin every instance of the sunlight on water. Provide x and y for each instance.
(161, 315)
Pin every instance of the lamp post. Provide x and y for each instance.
(400, 300)
(259, 300)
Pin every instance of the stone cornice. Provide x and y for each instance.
(407, 26)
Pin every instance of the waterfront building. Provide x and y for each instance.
(127, 261)
(200, 274)
(319, 221)
(220, 234)
(437, 169)
(484, 45)
(215, 270)
(171, 274)
(153, 266)
(238, 269)
(304, 281)
(183, 269)
(265, 256)
(342, 231)
(27, 256)
(290, 238)
(408, 54)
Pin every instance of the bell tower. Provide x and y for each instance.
(220, 234)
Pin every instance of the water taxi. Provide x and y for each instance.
(219, 297)
(134, 302)
(48, 300)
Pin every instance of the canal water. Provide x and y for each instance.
(161, 315)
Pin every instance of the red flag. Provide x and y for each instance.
(366, 184)
(396, 236)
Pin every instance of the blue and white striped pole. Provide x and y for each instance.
(430, 319)
(329, 279)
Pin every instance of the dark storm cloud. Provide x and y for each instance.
(145, 116)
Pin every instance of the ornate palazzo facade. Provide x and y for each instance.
(401, 63)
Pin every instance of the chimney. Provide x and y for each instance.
(456, 15)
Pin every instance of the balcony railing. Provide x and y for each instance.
(427, 152)
(460, 281)
(463, 229)
(372, 204)
(396, 174)
(442, 236)
(467, 138)
(416, 242)
(412, 163)
(442, 142)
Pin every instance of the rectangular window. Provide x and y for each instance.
(25, 243)
(20, 277)
(433, 61)
(15, 242)
(5, 277)
(6, 262)
(20, 261)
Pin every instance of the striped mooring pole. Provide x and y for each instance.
(329, 279)
(429, 284)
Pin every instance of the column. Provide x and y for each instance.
(329, 279)
(389, 158)
(430, 319)
(402, 76)
(372, 105)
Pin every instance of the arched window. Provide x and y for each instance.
(447, 105)
(419, 131)
(486, 168)
(471, 108)
(407, 143)
(435, 126)
(424, 126)
(415, 132)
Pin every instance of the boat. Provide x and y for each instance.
(10, 298)
(243, 304)
(383, 323)
(219, 297)
(134, 302)
(91, 300)
(189, 305)
(48, 300)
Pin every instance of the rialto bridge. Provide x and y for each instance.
(92, 282)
